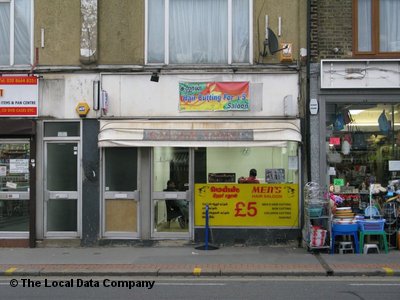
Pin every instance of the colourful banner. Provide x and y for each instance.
(213, 96)
(247, 205)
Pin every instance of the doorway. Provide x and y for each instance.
(121, 193)
(171, 192)
(61, 186)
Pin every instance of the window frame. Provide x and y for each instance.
(229, 39)
(12, 35)
(375, 34)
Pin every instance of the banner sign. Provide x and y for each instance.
(213, 96)
(19, 96)
(247, 205)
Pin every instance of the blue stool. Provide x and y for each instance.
(345, 229)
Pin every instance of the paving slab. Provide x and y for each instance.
(188, 261)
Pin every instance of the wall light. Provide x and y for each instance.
(154, 77)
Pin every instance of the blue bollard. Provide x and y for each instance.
(206, 233)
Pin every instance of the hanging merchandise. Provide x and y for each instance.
(348, 118)
(359, 141)
(339, 122)
(334, 157)
(384, 125)
(346, 144)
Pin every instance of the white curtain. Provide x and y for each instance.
(240, 31)
(22, 32)
(155, 39)
(198, 31)
(364, 26)
(389, 26)
(4, 33)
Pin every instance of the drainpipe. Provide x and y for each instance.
(307, 102)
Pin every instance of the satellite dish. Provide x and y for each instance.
(272, 44)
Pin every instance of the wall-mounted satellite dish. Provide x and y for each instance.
(271, 43)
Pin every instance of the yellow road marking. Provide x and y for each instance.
(9, 271)
(196, 271)
(389, 271)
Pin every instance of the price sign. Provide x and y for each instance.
(251, 205)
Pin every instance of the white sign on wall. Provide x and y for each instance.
(19, 96)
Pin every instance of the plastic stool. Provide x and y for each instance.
(338, 232)
(346, 247)
(382, 234)
(367, 247)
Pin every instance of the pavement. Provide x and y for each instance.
(188, 260)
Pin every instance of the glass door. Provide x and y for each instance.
(14, 188)
(171, 200)
(121, 195)
(61, 181)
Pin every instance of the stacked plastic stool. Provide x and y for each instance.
(346, 247)
(368, 247)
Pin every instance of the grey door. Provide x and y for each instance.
(61, 180)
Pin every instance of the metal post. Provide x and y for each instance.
(206, 233)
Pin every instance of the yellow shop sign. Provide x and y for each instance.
(247, 205)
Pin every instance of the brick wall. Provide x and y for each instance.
(331, 27)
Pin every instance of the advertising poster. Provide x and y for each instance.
(214, 96)
(19, 96)
(247, 205)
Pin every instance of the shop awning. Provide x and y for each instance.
(198, 133)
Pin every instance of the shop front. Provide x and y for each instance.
(357, 136)
(17, 175)
(18, 111)
(159, 175)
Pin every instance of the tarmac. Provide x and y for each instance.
(188, 260)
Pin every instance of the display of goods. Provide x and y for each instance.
(317, 238)
(315, 212)
(344, 213)
(345, 227)
(371, 225)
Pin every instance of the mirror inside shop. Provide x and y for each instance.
(363, 165)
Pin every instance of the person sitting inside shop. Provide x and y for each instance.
(251, 179)
(176, 209)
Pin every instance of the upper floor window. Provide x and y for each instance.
(198, 31)
(377, 27)
(15, 32)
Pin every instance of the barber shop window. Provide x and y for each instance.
(198, 31)
(275, 164)
(15, 32)
(377, 28)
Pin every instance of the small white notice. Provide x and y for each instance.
(19, 166)
(394, 165)
(11, 185)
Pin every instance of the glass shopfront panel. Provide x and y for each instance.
(14, 186)
(171, 203)
(362, 142)
(228, 165)
(253, 187)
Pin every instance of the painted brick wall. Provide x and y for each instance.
(331, 27)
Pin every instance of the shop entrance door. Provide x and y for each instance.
(14, 188)
(121, 193)
(171, 196)
(61, 189)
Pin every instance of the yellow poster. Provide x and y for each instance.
(247, 205)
